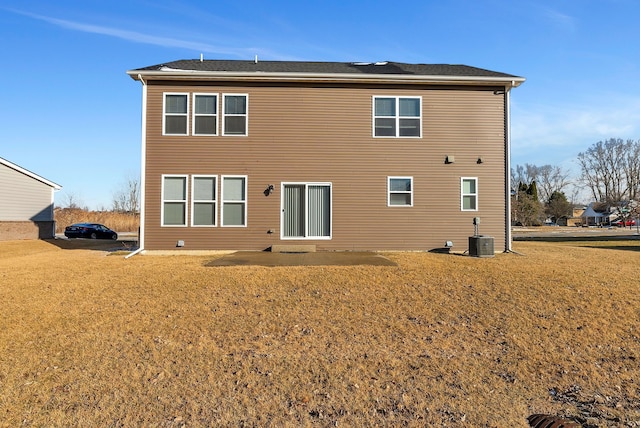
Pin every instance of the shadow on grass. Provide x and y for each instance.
(616, 247)
(108, 245)
(574, 238)
(267, 258)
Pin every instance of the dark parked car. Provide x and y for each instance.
(89, 230)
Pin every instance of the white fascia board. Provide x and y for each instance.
(30, 174)
(175, 74)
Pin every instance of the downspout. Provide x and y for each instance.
(507, 167)
(53, 209)
(142, 169)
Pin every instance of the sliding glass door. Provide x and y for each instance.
(306, 211)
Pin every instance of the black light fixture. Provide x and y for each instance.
(269, 190)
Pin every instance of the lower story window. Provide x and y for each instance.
(400, 191)
(174, 200)
(469, 194)
(234, 201)
(203, 209)
(306, 210)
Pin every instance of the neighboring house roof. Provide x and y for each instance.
(387, 70)
(595, 209)
(30, 174)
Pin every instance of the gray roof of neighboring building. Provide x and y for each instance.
(388, 68)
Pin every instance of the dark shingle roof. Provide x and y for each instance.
(386, 67)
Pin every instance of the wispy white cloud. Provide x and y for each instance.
(554, 133)
(559, 19)
(137, 37)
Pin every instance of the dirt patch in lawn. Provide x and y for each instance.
(437, 340)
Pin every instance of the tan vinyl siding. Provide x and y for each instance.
(325, 134)
(23, 198)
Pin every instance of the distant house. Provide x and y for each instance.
(576, 217)
(247, 155)
(596, 214)
(26, 204)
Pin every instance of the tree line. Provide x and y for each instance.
(126, 199)
(609, 171)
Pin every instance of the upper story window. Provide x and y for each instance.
(469, 194)
(400, 191)
(205, 114)
(176, 113)
(234, 114)
(397, 116)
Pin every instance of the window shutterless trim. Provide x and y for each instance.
(226, 115)
(163, 201)
(224, 202)
(165, 114)
(463, 194)
(195, 114)
(213, 201)
(399, 192)
(396, 117)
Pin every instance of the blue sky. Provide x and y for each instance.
(72, 115)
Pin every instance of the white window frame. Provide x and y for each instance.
(306, 185)
(225, 115)
(463, 194)
(215, 115)
(184, 201)
(214, 201)
(397, 116)
(165, 114)
(224, 201)
(405, 192)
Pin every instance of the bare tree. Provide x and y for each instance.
(548, 178)
(604, 170)
(71, 200)
(611, 170)
(551, 179)
(632, 169)
(522, 175)
(127, 198)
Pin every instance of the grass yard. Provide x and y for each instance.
(91, 339)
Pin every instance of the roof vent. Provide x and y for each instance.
(361, 63)
(381, 63)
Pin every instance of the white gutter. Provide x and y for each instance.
(253, 76)
(142, 169)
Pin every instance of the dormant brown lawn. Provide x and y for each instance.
(91, 339)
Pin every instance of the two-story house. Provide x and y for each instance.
(246, 155)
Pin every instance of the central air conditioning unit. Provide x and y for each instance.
(481, 246)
